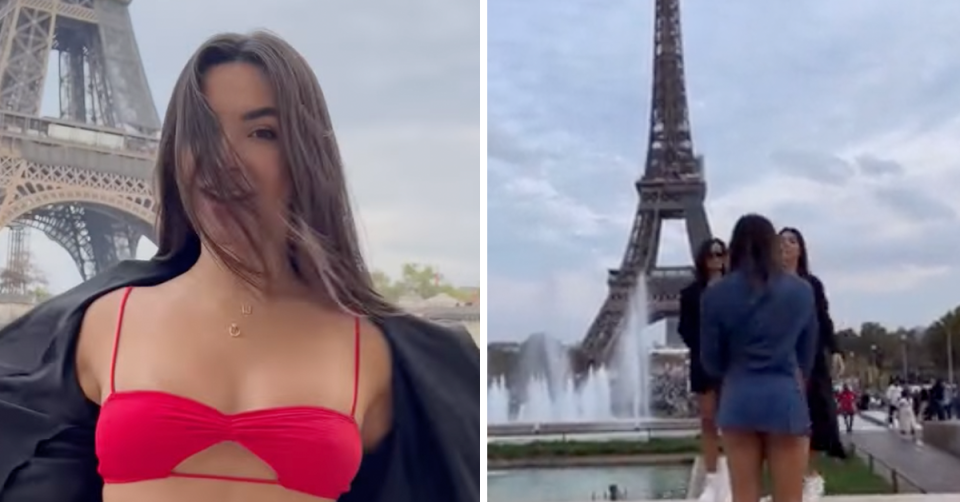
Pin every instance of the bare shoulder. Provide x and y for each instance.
(375, 357)
(376, 377)
(95, 344)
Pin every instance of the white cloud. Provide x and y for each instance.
(900, 279)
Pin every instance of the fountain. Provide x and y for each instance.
(617, 392)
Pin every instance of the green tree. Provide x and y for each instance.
(425, 281)
(40, 293)
(419, 280)
(385, 285)
(941, 341)
(422, 281)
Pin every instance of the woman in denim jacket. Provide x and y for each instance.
(758, 337)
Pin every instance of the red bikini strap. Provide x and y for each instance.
(116, 338)
(356, 364)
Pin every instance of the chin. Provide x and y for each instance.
(225, 236)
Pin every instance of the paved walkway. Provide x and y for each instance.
(871, 498)
(929, 469)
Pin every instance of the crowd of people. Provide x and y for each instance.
(906, 404)
(762, 356)
(934, 401)
(669, 395)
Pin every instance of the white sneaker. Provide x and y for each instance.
(709, 493)
(813, 488)
(723, 490)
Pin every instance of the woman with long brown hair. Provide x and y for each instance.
(251, 359)
(825, 427)
(759, 331)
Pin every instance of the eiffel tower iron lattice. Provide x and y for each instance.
(83, 178)
(672, 188)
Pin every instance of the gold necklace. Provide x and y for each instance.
(234, 329)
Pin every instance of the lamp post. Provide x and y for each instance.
(950, 355)
(874, 366)
(854, 369)
(903, 355)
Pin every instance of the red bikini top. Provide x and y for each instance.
(144, 434)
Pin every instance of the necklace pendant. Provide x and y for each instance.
(234, 330)
(246, 309)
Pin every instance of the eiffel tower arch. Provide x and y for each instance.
(672, 187)
(83, 178)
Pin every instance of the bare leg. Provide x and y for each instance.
(744, 451)
(811, 459)
(786, 456)
(709, 438)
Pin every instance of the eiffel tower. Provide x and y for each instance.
(672, 188)
(83, 178)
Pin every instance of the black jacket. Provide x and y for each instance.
(827, 342)
(688, 326)
(824, 428)
(47, 424)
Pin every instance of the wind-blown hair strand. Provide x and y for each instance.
(194, 158)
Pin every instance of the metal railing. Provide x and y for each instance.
(896, 478)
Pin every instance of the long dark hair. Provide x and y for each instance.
(754, 248)
(322, 244)
(803, 263)
(704, 253)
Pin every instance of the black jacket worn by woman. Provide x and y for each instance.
(825, 429)
(47, 424)
(688, 327)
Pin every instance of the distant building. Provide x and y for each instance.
(505, 347)
(472, 294)
(445, 309)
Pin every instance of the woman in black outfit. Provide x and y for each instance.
(825, 429)
(710, 265)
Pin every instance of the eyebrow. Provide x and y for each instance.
(267, 111)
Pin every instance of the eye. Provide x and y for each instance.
(264, 133)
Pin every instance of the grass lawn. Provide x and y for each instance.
(849, 477)
(846, 477)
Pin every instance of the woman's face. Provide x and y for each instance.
(245, 106)
(717, 259)
(789, 247)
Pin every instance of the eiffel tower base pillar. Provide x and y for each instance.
(673, 336)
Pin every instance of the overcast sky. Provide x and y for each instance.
(403, 82)
(839, 118)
